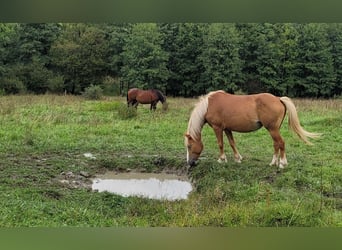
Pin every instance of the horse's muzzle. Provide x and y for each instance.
(192, 162)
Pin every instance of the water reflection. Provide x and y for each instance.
(153, 186)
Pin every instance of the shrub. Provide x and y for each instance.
(55, 84)
(111, 86)
(12, 85)
(93, 92)
(125, 112)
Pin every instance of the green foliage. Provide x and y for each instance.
(187, 59)
(261, 52)
(125, 112)
(220, 58)
(316, 75)
(80, 55)
(184, 59)
(288, 41)
(55, 84)
(111, 86)
(12, 85)
(335, 38)
(143, 48)
(93, 92)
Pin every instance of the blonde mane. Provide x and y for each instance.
(197, 119)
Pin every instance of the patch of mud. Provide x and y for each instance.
(75, 180)
(141, 175)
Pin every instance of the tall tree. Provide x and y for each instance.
(80, 56)
(269, 59)
(28, 61)
(220, 58)
(170, 32)
(288, 44)
(249, 33)
(185, 65)
(261, 53)
(144, 60)
(117, 37)
(35, 40)
(6, 34)
(9, 80)
(316, 75)
(335, 39)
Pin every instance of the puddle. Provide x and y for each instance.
(154, 186)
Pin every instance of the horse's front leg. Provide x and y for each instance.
(153, 106)
(219, 136)
(231, 140)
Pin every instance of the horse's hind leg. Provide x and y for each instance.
(230, 137)
(279, 149)
(132, 103)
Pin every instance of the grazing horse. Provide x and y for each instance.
(151, 96)
(242, 113)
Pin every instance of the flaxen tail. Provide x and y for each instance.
(294, 123)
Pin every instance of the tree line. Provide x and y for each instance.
(181, 59)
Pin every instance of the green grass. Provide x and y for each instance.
(43, 137)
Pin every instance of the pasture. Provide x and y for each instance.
(43, 181)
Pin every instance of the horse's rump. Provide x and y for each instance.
(132, 94)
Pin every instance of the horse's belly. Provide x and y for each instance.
(239, 125)
(144, 102)
(244, 128)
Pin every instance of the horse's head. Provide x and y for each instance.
(194, 149)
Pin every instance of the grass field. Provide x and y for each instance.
(44, 138)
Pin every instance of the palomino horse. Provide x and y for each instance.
(242, 113)
(151, 96)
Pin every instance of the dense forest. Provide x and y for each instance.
(181, 59)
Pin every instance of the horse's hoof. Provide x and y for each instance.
(282, 165)
(222, 160)
(283, 162)
(274, 161)
(238, 159)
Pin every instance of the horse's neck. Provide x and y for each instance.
(199, 137)
(197, 119)
(195, 129)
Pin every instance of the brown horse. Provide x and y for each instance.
(242, 113)
(151, 96)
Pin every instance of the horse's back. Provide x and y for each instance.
(222, 100)
(144, 97)
(132, 90)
